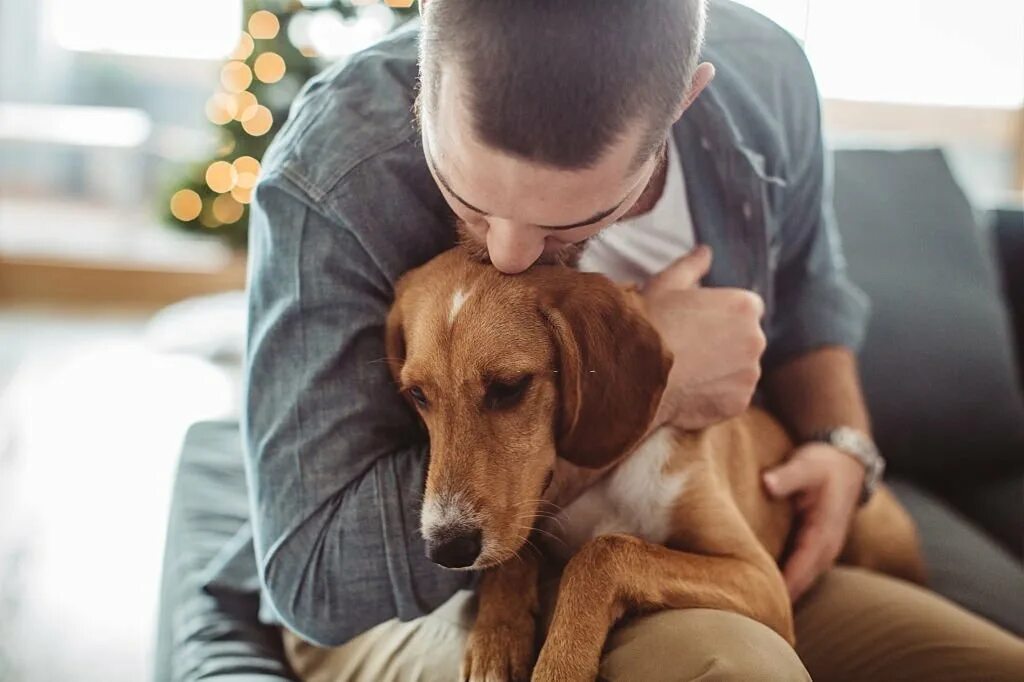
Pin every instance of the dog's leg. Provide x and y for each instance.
(613, 575)
(501, 645)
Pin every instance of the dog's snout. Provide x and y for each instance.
(457, 549)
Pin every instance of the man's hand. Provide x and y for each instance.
(826, 485)
(715, 338)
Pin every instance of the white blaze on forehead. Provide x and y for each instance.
(458, 299)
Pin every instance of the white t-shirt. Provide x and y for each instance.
(634, 250)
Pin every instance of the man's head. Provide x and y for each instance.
(544, 122)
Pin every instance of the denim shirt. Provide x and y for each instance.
(335, 460)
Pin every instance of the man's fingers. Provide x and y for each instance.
(795, 475)
(802, 566)
(683, 273)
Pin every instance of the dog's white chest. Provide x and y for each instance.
(637, 498)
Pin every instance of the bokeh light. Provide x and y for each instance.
(221, 176)
(227, 210)
(269, 67)
(186, 205)
(244, 101)
(248, 170)
(235, 77)
(207, 218)
(221, 108)
(242, 195)
(259, 122)
(226, 147)
(263, 25)
(244, 47)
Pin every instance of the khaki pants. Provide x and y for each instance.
(854, 625)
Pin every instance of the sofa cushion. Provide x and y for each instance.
(938, 363)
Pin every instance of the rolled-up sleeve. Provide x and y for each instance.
(815, 302)
(334, 459)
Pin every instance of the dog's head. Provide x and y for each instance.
(507, 372)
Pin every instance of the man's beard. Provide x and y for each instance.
(568, 255)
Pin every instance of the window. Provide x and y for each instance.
(941, 52)
(185, 29)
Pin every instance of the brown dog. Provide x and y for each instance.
(508, 372)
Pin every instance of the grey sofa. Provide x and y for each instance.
(938, 369)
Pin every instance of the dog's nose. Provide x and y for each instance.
(455, 550)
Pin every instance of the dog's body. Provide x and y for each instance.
(507, 372)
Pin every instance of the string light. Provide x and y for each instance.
(208, 220)
(242, 195)
(220, 108)
(227, 147)
(221, 176)
(244, 102)
(263, 25)
(227, 210)
(259, 122)
(235, 77)
(186, 205)
(244, 48)
(248, 170)
(269, 67)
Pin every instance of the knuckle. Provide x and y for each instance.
(747, 304)
(736, 404)
(748, 378)
(759, 342)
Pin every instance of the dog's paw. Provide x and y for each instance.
(502, 652)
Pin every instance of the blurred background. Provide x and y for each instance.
(130, 138)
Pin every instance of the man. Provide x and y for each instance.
(542, 125)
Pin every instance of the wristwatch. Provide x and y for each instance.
(858, 445)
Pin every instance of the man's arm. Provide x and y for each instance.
(334, 459)
(819, 321)
(818, 391)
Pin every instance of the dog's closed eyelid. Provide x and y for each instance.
(504, 393)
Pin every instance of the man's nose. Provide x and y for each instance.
(456, 547)
(513, 247)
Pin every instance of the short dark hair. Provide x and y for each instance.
(559, 81)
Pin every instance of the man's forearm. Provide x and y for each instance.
(817, 391)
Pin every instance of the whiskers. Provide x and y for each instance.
(377, 361)
(548, 510)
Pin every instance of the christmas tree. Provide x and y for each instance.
(283, 43)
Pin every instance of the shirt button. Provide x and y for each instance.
(748, 210)
(705, 143)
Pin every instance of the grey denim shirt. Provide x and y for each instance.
(334, 459)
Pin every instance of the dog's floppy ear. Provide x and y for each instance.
(612, 367)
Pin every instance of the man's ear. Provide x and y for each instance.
(612, 367)
(704, 74)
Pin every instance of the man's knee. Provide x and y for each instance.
(671, 646)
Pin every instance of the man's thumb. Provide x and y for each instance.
(791, 477)
(685, 272)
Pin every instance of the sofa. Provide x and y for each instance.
(939, 371)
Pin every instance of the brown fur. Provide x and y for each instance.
(599, 370)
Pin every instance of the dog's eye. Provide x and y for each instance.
(502, 395)
(416, 393)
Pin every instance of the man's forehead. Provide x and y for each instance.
(490, 181)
